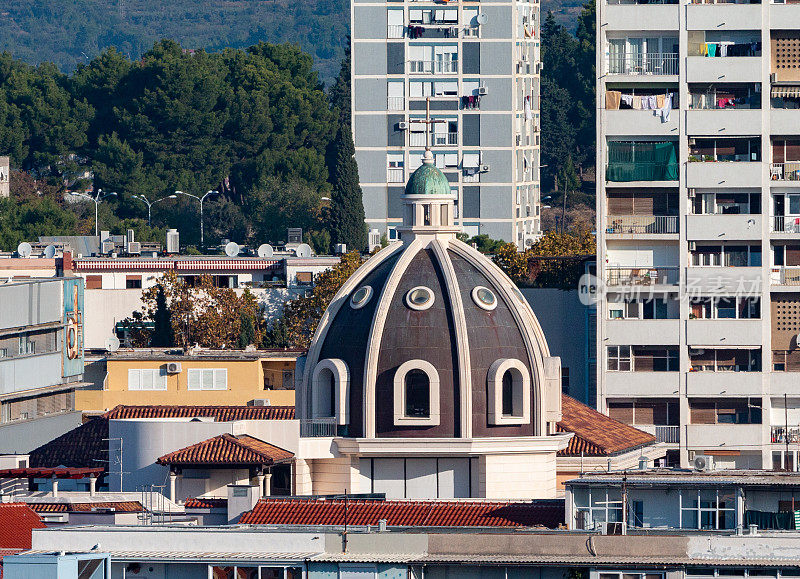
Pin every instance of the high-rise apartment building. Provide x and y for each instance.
(698, 209)
(476, 64)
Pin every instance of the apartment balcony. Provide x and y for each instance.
(656, 64)
(723, 227)
(723, 280)
(635, 384)
(729, 436)
(667, 434)
(703, 175)
(31, 372)
(728, 122)
(723, 16)
(785, 276)
(396, 103)
(783, 435)
(723, 332)
(787, 225)
(318, 427)
(433, 66)
(787, 174)
(643, 332)
(661, 278)
(437, 139)
(621, 123)
(638, 226)
(727, 69)
(655, 16)
(395, 176)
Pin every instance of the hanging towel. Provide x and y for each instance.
(660, 101)
(527, 109)
(628, 100)
(723, 50)
(637, 103)
(712, 49)
(704, 49)
(613, 98)
(665, 110)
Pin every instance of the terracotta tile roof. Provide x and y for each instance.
(203, 503)
(120, 506)
(406, 513)
(84, 446)
(227, 449)
(50, 472)
(17, 522)
(596, 434)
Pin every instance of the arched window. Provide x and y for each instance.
(416, 394)
(330, 387)
(509, 390)
(418, 398)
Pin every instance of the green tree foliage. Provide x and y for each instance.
(339, 93)
(347, 205)
(163, 334)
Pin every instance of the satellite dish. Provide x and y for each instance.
(50, 251)
(482, 18)
(24, 249)
(265, 250)
(303, 250)
(112, 344)
(231, 249)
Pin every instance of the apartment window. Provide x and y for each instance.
(207, 379)
(26, 345)
(304, 277)
(726, 256)
(724, 360)
(725, 411)
(642, 359)
(416, 394)
(619, 358)
(645, 412)
(713, 509)
(652, 309)
(94, 282)
(726, 204)
(395, 168)
(725, 149)
(596, 507)
(746, 308)
(565, 380)
(147, 379)
(133, 282)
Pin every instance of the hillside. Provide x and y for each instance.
(70, 32)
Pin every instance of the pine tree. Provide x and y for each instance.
(347, 205)
(163, 336)
(247, 330)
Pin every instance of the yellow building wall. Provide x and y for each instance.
(245, 383)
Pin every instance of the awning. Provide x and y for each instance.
(786, 91)
(226, 264)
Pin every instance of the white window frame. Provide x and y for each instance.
(699, 510)
(195, 379)
(158, 379)
(341, 377)
(521, 393)
(400, 418)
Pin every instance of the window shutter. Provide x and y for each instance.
(220, 379)
(702, 413)
(193, 381)
(134, 381)
(621, 411)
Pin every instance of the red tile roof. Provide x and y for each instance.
(227, 449)
(17, 521)
(84, 446)
(50, 472)
(203, 503)
(597, 434)
(120, 506)
(406, 513)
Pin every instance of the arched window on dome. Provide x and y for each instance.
(509, 388)
(330, 391)
(416, 394)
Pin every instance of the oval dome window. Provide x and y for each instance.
(419, 298)
(361, 297)
(484, 298)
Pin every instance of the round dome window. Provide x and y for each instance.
(361, 297)
(484, 298)
(419, 298)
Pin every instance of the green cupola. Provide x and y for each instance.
(427, 179)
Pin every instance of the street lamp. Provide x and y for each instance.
(99, 196)
(149, 204)
(200, 199)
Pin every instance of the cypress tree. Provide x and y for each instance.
(347, 205)
(163, 336)
(247, 330)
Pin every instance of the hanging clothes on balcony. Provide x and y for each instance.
(613, 98)
(527, 109)
(665, 108)
(712, 49)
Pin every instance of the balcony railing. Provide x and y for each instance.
(395, 31)
(396, 103)
(785, 276)
(657, 63)
(626, 171)
(434, 66)
(318, 427)
(395, 176)
(784, 224)
(669, 434)
(780, 434)
(445, 138)
(641, 276)
(785, 171)
(642, 224)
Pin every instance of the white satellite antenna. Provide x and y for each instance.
(50, 251)
(303, 250)
(112, 344)
(231, 249)
(265, 250)
(482, 18)
(24, 249)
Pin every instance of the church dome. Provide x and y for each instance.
(428, 179)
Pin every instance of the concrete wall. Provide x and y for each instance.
(31, 303)
(517, 476)
(27, 435)
(30, 372)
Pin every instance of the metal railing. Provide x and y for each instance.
(662, 63)
(640, 276)
(785, 171)
(395, 176)
(785, 276)
(396, 103)
(784, 224)
(669, 434)
(318, 427)
(781, 433)
(445, 138)
(395, 31)
(433, 66)
(642, 224)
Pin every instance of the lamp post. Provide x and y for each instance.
(149, 204)
(200, 199)
(99, 196)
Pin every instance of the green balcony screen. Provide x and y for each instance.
(648, 161)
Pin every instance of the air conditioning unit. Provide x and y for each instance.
(402, 126)
(692, 246)
(703, 462)
(485, 168)
(259, 402)
(483, 90)
(615, 528)
(134, 247)
(173, 367)
(108, 247)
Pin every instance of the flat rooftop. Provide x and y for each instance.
(689, 477)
